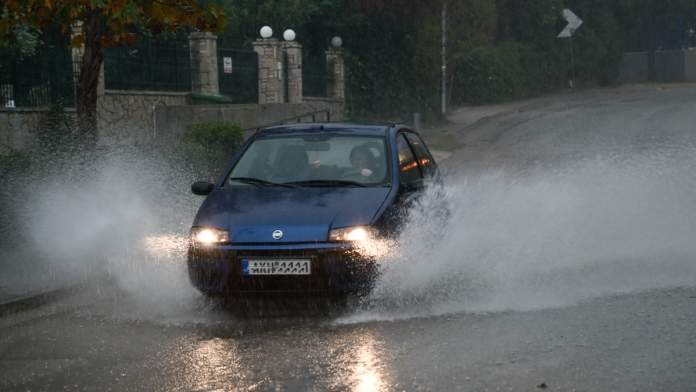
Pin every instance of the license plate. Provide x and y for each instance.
(276, 267)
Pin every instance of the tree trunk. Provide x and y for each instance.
(87, 83)
(652, 70)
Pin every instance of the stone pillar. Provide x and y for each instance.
(338, 89)
(204, 53)
(294, 51)
(77, 52)
(271, 86)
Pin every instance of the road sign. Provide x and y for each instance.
(227, 63)
(573, 23)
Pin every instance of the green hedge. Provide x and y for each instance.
(207, 147)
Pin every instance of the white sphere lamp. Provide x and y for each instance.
(289, 35)
(336, 42)
(266, 32)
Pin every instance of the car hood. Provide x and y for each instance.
(302, 214)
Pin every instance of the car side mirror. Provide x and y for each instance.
(415, 185)
(202, 188)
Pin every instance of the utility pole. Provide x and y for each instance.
(444, 65)
(572, 61)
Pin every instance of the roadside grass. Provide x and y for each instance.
(446, 142)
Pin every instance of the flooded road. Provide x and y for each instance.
(567, 263)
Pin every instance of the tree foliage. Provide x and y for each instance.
(118, 16)
(104, 23)
(24, 44)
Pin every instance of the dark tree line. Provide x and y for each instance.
(497, 50)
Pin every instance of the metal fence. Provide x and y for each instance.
(150, 65)
(48, 76)
(238, 74)
(317, 75)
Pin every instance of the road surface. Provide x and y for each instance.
(568, 263)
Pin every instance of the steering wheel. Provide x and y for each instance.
(352, 175)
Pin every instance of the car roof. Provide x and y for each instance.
(353, 128)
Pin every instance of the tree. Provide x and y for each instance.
(643, 14)
(24, 45)
(103, 24)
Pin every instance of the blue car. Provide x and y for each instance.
(298, 202)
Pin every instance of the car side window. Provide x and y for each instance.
(409, 170)
(424, 157)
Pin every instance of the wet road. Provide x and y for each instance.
(642, 342)
(579, 298)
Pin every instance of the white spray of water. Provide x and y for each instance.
(543, 239)
(512, 241)
(124, 222)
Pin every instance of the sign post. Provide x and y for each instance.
(227, 64)
(573, 23)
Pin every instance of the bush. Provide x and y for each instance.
(215, 135)
(482, 77)
(509, 71)
(207, 147)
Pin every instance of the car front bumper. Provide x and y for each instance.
(335, 267)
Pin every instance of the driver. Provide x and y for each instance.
(361, 160)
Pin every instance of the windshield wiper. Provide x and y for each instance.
(330, 183)
(258, 182)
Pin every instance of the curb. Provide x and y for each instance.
(20, 304)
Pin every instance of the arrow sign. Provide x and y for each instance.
(573, 23)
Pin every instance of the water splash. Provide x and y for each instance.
(518, 239)
(535, 238)
(120, 222)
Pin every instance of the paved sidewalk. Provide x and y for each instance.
(27, 281)
(466, 118)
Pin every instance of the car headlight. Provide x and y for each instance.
(355, 233)
(206, 235)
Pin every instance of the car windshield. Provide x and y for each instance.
(312, 161)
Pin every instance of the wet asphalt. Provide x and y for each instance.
(643, 341)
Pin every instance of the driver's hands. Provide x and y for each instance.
(366, 172)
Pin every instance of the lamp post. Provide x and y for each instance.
(289, 35)
(266, 32)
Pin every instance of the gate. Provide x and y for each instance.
(238, 79)
(317, 75)
(152, 64)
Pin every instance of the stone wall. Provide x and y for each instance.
(204, 53)
(294, 56)
(171, 120)
(271, 87)
(128, 116)
(19, 126)
(338, 89)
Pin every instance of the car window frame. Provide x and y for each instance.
(324, 136)
(415, 156)
(429, 157)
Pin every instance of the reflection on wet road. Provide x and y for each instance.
(621, 343)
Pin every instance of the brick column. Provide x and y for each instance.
(338, 89)
(271, 86)
(204, 53)
(294, 51)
